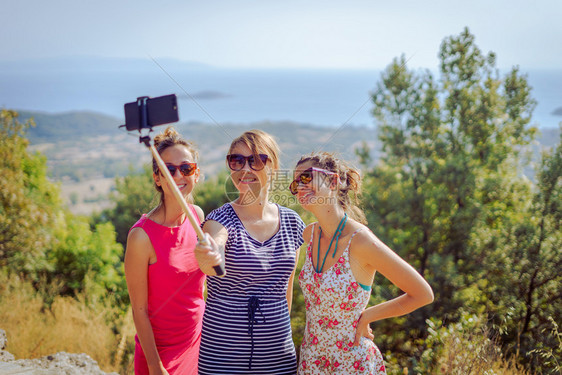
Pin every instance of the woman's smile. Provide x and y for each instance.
(248, 179)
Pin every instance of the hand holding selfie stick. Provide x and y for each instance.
(165, 111)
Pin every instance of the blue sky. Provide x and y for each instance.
(281, 34)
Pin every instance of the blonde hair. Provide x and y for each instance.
(259, 142)
(168, 138)
(349, 188)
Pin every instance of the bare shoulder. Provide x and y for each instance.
(200, 212)
(307, 233)
(367, 246)
(138, 244)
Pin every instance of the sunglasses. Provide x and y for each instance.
(186, 169)
(236, 161)
(305, 178)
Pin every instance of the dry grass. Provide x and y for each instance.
(479, 358)
(69, 325)
(472, 352)
(74, 326)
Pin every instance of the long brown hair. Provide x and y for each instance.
(349, 189)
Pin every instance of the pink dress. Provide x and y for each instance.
(334, 302)
(175, 297)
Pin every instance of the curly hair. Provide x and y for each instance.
(349, 189)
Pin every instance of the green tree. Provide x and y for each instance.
(39, 239)
(79, 254)
(28, 200)
(522, 248)
(448, 144)
(134, 195)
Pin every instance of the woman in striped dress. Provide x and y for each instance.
(246, 325)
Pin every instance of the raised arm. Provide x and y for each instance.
(212, 255)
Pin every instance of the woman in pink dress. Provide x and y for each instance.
(163, 278)
(342, 258)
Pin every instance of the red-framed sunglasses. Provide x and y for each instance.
(236, 161)
(186, 169)
(306, 178)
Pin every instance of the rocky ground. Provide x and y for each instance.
(61, 363)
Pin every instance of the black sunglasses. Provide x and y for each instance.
(236, 161)
(186, 169)
(306, 178)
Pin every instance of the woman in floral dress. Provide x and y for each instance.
(342, 258)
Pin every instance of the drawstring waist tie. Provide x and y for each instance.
(253, 309)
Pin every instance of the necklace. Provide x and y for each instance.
(336, 237)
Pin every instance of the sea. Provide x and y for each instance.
(219, 95)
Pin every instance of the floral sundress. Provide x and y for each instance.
(334, 303)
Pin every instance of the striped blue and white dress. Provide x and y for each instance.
(246, 326)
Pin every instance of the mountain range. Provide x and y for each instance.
(86, 150)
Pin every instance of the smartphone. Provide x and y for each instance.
(159, 110)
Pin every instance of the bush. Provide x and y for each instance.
(74, 325)
(464, 348)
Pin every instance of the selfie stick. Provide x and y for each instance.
(175, 190)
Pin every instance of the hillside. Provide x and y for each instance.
(86, 150)
(52, 128)
(92, 142)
